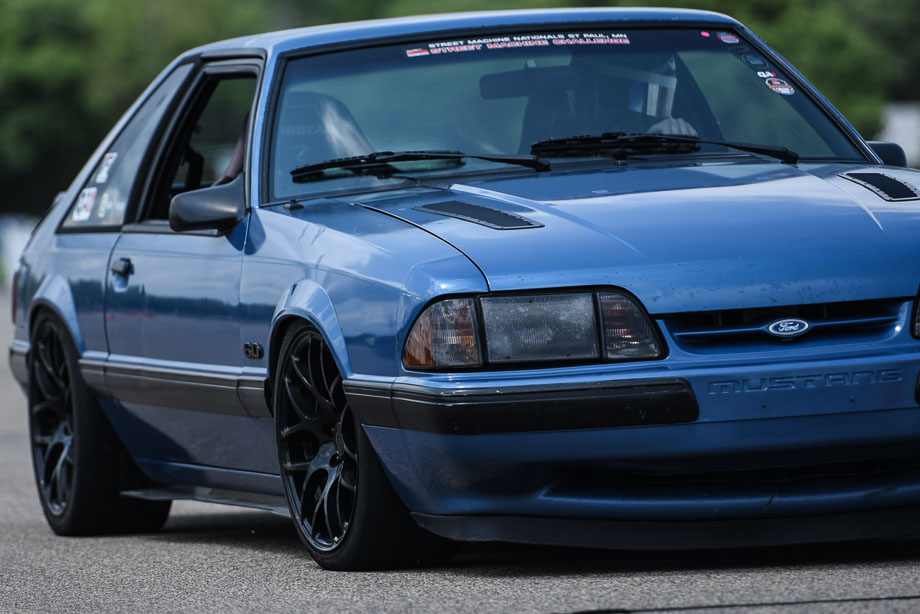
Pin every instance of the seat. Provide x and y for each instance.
(235, 166)
(549, 115)
(314, 127)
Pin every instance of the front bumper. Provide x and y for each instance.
(755, 443)
(676, 535)
(616, 403)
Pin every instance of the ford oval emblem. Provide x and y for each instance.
(788, 327)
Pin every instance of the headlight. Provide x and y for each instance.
(540, 327)
(444, 336)
(515, 329)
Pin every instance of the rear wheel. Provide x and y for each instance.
(344, 508)
(79, 463)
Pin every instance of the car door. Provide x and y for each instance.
(172, 306)
(79, 251)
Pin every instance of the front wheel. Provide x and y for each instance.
(343, 506)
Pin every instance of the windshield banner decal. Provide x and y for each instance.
(516, 42)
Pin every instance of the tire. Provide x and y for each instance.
(80, 465)
(343, 506)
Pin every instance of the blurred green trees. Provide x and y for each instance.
(69, 69)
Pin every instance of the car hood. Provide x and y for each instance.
(682, 238)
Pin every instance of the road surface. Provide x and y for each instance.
(212, 558)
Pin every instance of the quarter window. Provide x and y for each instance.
(104, 199)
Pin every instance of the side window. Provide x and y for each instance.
(104, 199)
(208, 146)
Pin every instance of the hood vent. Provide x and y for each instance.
(884, 185)
(486, 216)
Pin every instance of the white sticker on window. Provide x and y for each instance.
(780, 87)
(517, 41)
(106, 204)
(84, 208)
(107, 161)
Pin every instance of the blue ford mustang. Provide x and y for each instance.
(616, 278)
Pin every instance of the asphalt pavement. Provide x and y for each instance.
(212, 558)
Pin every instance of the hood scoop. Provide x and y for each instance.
(886, 186)
(477, 214)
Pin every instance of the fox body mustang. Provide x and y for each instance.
(616, 278)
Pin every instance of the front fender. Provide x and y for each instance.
(307, 300)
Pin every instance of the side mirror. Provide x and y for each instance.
(890, 153)
(217, 208)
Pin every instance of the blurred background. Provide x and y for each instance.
(69, 69)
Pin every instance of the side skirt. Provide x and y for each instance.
(270, 503)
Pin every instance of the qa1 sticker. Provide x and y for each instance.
(728, 37)
(107, 161)
(84, 208)
(780, 87)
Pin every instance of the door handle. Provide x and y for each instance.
(122, 267)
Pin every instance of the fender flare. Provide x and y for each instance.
(306, 300)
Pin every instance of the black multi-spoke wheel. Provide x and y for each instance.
(317, 442)
(52, 418)
(343, 506)
(80, 465)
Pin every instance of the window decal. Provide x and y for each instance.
(107, 161)
(515, 42)
(84, 208)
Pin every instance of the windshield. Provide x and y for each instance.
(502, 93)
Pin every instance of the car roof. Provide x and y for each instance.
(285, 40)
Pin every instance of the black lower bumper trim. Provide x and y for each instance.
(19, 362)
(676, 535)
(635, 403)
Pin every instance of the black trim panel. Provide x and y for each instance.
(479, 214)
(883, 185)
(270, 503)
(233, 54)
(675, 535)
(19, 361)
(242, 395)
(620, 404)
(251, 391)
(178, 389)
(93, 372)
(161, 227)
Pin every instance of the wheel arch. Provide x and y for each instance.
(54, 295)
(307, 302)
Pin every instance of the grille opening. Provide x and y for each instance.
(849, 321)
(733, 318)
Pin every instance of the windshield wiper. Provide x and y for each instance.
(620, 143)
(380, 163)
